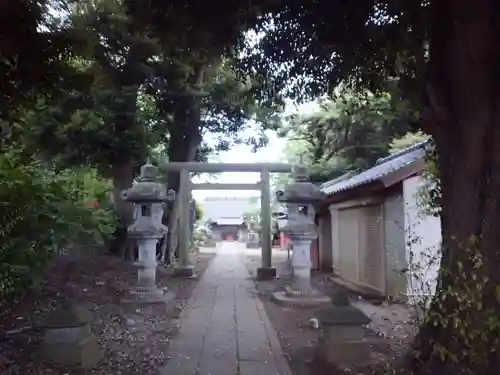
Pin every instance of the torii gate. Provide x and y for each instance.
(266, 271)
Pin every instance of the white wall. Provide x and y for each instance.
(423, 240)
(216, 208)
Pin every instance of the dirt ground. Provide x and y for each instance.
(389, 333)
(135, 341)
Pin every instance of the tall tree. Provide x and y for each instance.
(209, 99)
(32, 46)
(98, 120)
(118, 52)
(136, 90)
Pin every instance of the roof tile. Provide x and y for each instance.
(383, 167)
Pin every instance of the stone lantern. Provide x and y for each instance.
(148, 197)
(253, 240)
(300, 197)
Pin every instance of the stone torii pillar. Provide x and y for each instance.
(266, 271)
(184, 267)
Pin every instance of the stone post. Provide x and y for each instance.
(184, 267)
(342, 340)
(266, 271)
(68, 340)
(148, 197)
(301, 230)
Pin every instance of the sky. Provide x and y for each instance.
(242, 154)
(272, 153)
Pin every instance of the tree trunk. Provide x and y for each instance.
(123, 177)
(461, 333)
(185, 139)
(184, 142)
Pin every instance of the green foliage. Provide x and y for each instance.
(198, 211)
(30, 71)
(83, 128)
(461, 309)
(184, 26)
(200, 235)
(348, 132)
(407, 140)
(231, 101)
(429, 195)
(364, 42)
(43, 211)
(209, 97)
(252, 217)
(96, 188)
(104, 117)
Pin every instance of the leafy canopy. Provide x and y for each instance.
(349, 131)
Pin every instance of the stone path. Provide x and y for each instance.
(225, 330)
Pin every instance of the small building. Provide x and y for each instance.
(372, 230)
(228, 229)
(225, 217)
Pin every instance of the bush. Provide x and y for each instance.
(42, 210)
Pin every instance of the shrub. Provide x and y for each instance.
(198, 237)
(42, 210)
(429, 197)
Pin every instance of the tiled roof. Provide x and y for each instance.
(344, 177)
(383, 167)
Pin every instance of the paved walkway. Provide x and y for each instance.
(225, 331)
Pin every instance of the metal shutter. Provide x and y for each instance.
(372, 267)
(349, 244)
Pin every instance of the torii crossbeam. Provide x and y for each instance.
(266, 271)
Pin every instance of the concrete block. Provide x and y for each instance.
(84, 354)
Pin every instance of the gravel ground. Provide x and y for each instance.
(389, 333)
(135, 341)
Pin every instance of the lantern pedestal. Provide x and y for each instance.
(146, 290)
(300, 292)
